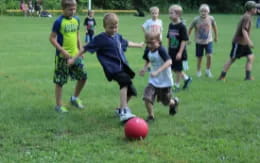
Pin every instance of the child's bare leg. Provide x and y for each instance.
(58, 94)
(149, 108)
(199, 61)
(123, 97)
(249, 63)
(79, 86)
(208, 64)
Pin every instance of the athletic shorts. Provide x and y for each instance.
(201, 47)
(239, 51)
(177, 64)
(124, 80)
(62, 71)
(162, 94)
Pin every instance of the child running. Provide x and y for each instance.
(160, 79)
(90, 24)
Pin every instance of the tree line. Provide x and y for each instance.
(221, 6)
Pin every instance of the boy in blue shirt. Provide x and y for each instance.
(65, 38)
(110, 47)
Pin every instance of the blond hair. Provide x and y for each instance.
(110, 18)
(152, 36)
(177, 8)
(154, 8)
(67, 3)
(204, 7)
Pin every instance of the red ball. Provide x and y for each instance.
(136, 128)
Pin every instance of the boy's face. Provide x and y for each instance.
(173, 15)
(204, 13)
(253, 11)
(70, 11)
(155, 14)
(152, 44)
(111, 28)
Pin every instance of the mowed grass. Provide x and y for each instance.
(217, 121)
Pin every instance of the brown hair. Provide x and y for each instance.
(67, 3)
(110, 18)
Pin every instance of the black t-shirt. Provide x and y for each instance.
(176, 34)
(90, 24)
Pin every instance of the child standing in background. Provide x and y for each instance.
(177, 37)
(203, 25)
(90, 24)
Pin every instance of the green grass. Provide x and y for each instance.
(217, 122)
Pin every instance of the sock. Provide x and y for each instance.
(177, 85)
(223, 74)
(248, 74)
(185, 77)
(73, 98)
(207, 70)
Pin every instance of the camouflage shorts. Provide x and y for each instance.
(62, 71)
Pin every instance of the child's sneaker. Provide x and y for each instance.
(125, 114)
(187, 83)
(222, 78)
(199, 74)
(173, 109)
(250, 78)
(61, 109)
(209, 74)
(150, 119)
(77, 103)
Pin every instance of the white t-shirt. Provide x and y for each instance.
(157, 58)
(151, 25)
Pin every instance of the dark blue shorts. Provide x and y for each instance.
(200, 49)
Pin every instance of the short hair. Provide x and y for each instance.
(154, 8)
(90, 11)
(67, 3)
(152, 36)
(110, 18)
(250, 5)
(177, 8)
(204, 7)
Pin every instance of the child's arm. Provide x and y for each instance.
(163, 67)
(135, 45)
(247, 38)
(215, 30)
(78, 41)
(54, 42)
(80, 54)
(182, 46)
(145, 69)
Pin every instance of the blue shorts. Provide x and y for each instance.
(200, 49)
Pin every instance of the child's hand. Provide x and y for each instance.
(178, 56)
(251, 45)
(142, 72)
(216, 39)
(154, 74)
(71, 61)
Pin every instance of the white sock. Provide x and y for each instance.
(177, 85)
(207, 70)
(73, 98)
(185, 77)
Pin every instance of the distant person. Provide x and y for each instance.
(242, 44)
(160, 77)
(110, 47)
(203, 25)
(154, 24)
(30, 7)
(38, 7)
(24, 7)
(177, 39)
(90, 24)
(65, 38)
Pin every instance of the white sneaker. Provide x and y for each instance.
(209, 74)
(199, 74)
(125, 115)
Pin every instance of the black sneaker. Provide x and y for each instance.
(187, 83)
(150, 119)
(173, 109)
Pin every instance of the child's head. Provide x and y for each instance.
(175, 12)
(251, 6)
(69, 7)
(154, 11)
(152, 40)
(110, 23)
(90, 13)
(204, 10)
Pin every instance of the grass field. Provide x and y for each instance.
(217, 121)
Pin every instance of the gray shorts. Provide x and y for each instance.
(162, 94)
